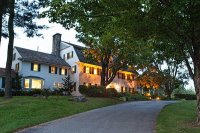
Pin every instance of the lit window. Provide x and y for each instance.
(73, 69)
(63, 71)
(35, 67)
(26, 83)
(95, 71)
(87, 70)
(17, 67)
(53, 70)
(70, 55)
(58, 85)
(36, 84)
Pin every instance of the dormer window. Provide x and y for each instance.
(73, 69)
(69, 55)
(35, 67)
(17, 67)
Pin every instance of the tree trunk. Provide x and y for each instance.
(103, 74)
(196, 62)
(8, 83)
(197, 88)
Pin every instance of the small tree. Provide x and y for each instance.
(68, 85)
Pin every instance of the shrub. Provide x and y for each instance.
(111, 92)
(185, 96)
(134, 97)
(83, 89)
(98, 91)
(92, 91)
(46, 93)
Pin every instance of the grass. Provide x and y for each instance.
(178, 118)
(21, 112)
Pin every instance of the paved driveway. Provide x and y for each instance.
(132, 117)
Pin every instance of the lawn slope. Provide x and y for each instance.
(178, 118)
(20, 112)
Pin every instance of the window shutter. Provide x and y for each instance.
(65, 71)
(98, 72)
(55, 70)
(92, 70)
(64, 56)
(49, 69)
(31, 66)
(132, 76)
(60, 69)
(67, 55)
(39, 66)
(72, 54)
(84, 69)
(75, 69)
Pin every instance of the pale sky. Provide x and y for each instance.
(45, 43)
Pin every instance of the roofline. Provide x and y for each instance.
(74, 45)
(67, 65)
(30, 50)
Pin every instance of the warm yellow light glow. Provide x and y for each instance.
(87, 70)
(58, 85)
(35, 67)
(117, 86)
(150, 98)
(53, 70)
(148, 94)
(157, 98)
(95, 71)
(36, 84)
(86, 84)
(148, 86)
(26, 83)
(63, 71)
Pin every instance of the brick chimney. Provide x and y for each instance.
(56, 44)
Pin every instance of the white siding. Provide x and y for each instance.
(72, 62)
(14, 62)
(49, 78)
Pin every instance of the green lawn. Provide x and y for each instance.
(178, 118)
(20, 112)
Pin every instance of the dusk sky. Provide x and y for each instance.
(44, 44)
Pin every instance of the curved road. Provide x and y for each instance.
(132, 117)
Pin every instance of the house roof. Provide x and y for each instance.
(40, 57)
(3, 72)
(79, 52)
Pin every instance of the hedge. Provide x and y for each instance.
(98, 91)
(185, 96)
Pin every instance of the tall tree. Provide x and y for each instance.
(98, 26)
(172, 23)
(3, 7)
(20, 13)
(176, 26)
